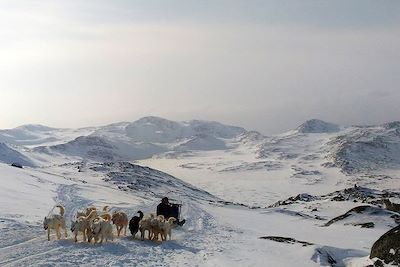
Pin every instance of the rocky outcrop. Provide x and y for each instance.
(365, 210)
(391, 206)
(387, 247)
(287, 240)
(300, 197)
(359, 209)
(365, 149)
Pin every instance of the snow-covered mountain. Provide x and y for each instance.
(28, 134)
(158, 130)
(368, 148)
(35, 134)
(351, 149)
(103, 149)
(317, 126)
(141, 139)
(315, 193)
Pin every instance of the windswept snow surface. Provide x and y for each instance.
(235, 185)
(10, 156)
(216, 233)
(34, 135)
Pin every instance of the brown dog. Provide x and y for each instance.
(120, 219)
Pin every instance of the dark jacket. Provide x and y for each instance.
(164, 209)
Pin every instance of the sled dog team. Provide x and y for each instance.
(97, 225)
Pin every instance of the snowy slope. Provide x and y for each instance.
(27, 195)
(201, 142)
(101, 149)
(249, 199)
(34, 135)
(216, 234)
(28, 134)
(159, 130)
(10, 155)
(363, 149)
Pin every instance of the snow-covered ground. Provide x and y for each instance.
(242, 192)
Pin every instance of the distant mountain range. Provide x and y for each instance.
(352, 149)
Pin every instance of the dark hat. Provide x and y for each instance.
(164, 199)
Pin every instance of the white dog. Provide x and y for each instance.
(166, 228)
(145, 225)
(55, 221)
(156, 227)
(82, 224)
(102, 229)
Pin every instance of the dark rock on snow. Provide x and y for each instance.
(288, 240)
(387, 247)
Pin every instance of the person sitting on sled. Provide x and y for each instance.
(169, 210)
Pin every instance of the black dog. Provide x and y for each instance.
(134, 223)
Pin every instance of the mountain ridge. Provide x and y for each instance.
(341, 147)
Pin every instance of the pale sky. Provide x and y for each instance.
(264, 65)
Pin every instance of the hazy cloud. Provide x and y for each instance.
(265, 65)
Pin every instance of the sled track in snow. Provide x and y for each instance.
(27, 258)
(19, 244)
(68, 196)
(200, 239)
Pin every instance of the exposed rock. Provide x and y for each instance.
(365, 225)
(230, 203)
(300, 197)
(338, 198)
(300, 172)
(358, 209)
(146, 181)
(392, 125)
(396, 218)
(365, 210)
(391, 206)
(354, 194)
(287, 240)
(358, 193)
(299, 214)
(365, 149)
(251, 166)
(387, 247)
(251, 137)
